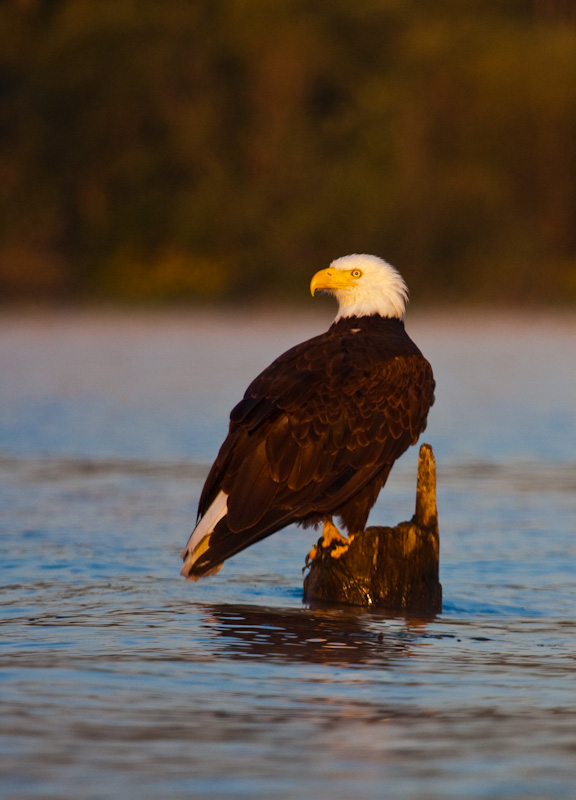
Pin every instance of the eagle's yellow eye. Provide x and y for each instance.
(356, 273)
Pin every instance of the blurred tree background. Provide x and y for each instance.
(216, 149)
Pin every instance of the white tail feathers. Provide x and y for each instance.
(199, 541)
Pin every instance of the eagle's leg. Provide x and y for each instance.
(330, 533)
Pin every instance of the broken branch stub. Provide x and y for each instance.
(394, 568)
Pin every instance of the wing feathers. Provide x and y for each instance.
(318, 431)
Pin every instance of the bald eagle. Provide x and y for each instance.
(318, 431)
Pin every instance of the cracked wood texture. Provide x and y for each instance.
(392, 568)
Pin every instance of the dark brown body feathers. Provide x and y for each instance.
(317, 433)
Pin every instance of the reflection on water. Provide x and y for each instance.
(335, 639)
(117, 678)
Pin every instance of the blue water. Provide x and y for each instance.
(120, 679)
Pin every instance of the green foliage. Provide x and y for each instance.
(214, 149)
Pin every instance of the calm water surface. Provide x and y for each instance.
(120, 679)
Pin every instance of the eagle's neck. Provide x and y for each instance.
(369, 323)
(366, 304)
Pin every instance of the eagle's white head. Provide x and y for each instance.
(363, 285)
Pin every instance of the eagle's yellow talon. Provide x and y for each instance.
(339, 550)
(311, 555)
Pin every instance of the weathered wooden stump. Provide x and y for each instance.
(393, 568)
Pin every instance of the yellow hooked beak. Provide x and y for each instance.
(331, 279)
